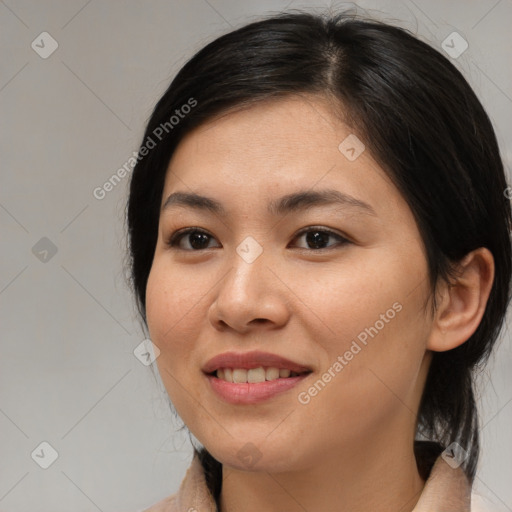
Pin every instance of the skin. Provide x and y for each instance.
(350, 447)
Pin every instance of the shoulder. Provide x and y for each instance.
(166, 505)
(192, 496)
(480, 503)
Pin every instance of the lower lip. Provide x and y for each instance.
(252, 393)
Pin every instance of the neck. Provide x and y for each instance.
(381, 479)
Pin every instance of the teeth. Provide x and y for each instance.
(272, 374)
(239, 375)
(254, 375)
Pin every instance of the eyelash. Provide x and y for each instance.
(176, 237)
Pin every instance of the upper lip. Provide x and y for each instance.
(254, 359)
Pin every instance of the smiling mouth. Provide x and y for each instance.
(254, 375)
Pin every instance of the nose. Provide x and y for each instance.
(250, 296)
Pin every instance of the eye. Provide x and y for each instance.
(197, 239)
(317, 237)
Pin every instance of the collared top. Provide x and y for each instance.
(445, 489)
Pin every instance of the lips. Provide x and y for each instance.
(252, 377)
(250, 360)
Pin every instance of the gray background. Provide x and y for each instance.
(68, 374)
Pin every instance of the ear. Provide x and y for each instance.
(462, 302)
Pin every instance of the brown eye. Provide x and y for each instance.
(318, 238)
(197, 239)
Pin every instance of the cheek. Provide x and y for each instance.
(170, 314)
(373, 319)
(173, 302)
(361, 294)
(373, 385)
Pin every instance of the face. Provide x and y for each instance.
(330, 285)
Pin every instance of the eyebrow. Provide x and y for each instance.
(298, 201)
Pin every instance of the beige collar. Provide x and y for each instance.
(445, 489)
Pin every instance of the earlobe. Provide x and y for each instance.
(461, 302)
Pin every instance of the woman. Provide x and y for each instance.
(320, 250)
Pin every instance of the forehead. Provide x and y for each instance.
(274, 148)
(288, 127)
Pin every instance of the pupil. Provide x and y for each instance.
(316, 237)
(203, 240)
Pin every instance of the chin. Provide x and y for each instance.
(256, 456)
